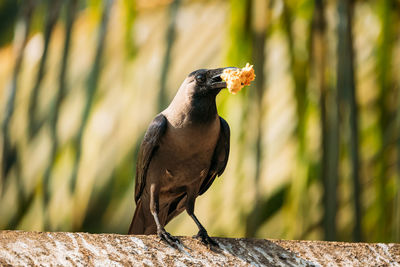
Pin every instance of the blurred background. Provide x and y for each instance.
(315, 148)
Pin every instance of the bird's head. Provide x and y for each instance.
(195, 99)
(205, 82)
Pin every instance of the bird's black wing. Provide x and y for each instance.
(149, 146)
(220, 157)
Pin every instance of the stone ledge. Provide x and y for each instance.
(83, 249)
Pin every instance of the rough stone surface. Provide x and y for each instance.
(20, 248)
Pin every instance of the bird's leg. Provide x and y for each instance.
(154, 209)
(202, 234)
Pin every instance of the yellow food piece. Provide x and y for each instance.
(239, 78)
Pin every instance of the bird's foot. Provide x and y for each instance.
(169, 239)
(203, 236)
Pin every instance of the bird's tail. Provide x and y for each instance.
(142, 221)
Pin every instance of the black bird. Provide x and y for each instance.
(185, 147)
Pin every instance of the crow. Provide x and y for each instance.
(185, 147)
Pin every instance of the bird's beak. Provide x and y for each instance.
(216, 80)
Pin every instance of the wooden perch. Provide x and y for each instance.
(20, 248)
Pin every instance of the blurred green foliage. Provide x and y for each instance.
(315, 148)
(8, 15)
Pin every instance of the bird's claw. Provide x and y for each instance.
(203, 236)
(169, 239)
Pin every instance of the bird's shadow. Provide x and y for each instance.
(248, 251)
(259, 252)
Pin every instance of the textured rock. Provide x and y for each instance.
(82, 249)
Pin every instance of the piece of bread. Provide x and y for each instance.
(236, 79)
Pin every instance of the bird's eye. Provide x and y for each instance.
(200, 78)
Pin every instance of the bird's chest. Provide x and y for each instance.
(187, 153)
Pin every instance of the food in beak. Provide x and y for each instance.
(236, 79)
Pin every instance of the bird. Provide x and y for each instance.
(184, 149)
